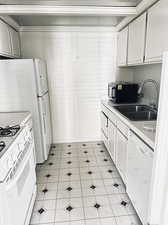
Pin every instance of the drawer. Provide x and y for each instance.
(105, 110)
(109, 114)
(113, 118)
(123, 128)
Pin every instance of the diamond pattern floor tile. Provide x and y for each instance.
(79, 185)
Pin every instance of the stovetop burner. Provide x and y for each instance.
(2, 145)
(9, 131)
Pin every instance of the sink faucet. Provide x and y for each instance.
(140, 91)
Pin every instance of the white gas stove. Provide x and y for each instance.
(17, 174)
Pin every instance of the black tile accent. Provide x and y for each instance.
(87, 161)
(53, 146)
(52, 154)
(124, 203)
(98, 144)
(69, 153)
(101, 151)
(85, 152)
(41, 210)
(105, 160)
(69, 174)
(69, 208)
(69, 189)
(48, 175)
(69, 162)
(83, 145)
(45, 190)
(97, 206)
(69, 146)
(90, 172)
(50, 164)
(93, 187)
(116, 185)
(110, 171)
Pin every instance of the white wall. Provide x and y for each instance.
(141, 73)
(80, 63)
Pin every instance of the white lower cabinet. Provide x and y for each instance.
(104, 124)
(121, 154)
(104, 128)
(112, 140)
(114, 136)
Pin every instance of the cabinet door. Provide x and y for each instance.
(112, 139)
(5, 43)
(104, 124)
(15, 42)
(121, 154)
(122, 47)
(157, 32)
(136, 40)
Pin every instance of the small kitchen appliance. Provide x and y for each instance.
(123, 92)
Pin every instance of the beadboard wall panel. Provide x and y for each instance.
(80, 64)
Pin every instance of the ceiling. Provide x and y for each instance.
(67, 20)
(47, 20)
(72, 2)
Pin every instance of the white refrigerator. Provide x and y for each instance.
(24, 87)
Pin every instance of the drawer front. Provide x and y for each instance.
(109, 114)
(123, 128)
(105, 110)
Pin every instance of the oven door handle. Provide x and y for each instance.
(21, 169)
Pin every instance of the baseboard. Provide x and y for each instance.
(77, 140)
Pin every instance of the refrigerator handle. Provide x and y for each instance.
(44, 123)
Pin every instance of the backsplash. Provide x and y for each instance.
(144, 72)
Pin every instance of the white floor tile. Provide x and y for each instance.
(46, 205)
(93, 222)
(108, 221)
(45, 217)
(91, 212)
(81, 198)
(128, 220)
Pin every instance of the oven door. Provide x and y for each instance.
(18, 191)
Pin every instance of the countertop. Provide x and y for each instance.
(14, 118)
(136, 126)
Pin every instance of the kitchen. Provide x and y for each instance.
(82, 112)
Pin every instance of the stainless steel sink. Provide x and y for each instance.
(137, 112)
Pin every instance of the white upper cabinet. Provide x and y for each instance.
(9, 41)
(122, 47)
(157, 31)
(5, 42)
(136, 40)
(15, 42)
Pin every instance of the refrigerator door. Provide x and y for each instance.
(41, 77)
(45, 117)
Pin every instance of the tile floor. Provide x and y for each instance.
(79, 185)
